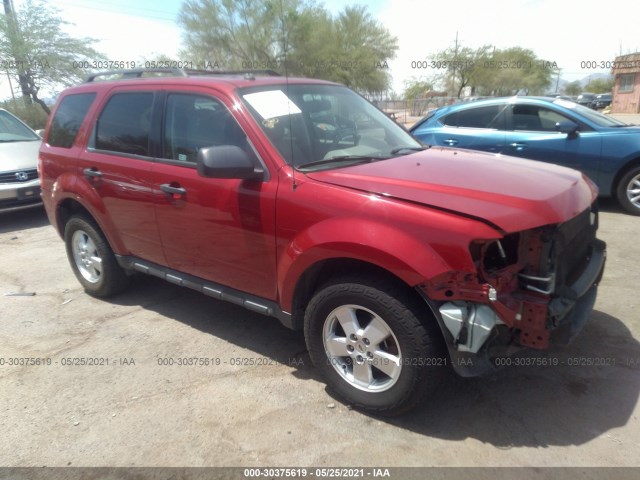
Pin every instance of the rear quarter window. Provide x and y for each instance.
(68, 118)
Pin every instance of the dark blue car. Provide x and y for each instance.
(552, 130)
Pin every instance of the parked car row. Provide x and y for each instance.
(592, 100)
(601, 101)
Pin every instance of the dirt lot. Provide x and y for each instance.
(259, 402)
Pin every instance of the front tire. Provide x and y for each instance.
(367, 340)
(628, 191)
(92, 259)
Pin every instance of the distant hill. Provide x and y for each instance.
(594, 76)
(584, 81)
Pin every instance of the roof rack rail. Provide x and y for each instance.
(177, 72)
(135, 73)
(247, 73)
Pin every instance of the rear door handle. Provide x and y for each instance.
(92, 172)
(518, 145)
(175, 192)
(451, 142)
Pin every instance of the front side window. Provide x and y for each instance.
(68, 118)
(125, 123)
(626, 82)
(192, 122)
(479, 117)
(317, 126)
(533, 118)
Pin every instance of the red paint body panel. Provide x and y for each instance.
(222, 230)
(414, 243)
(513, 194)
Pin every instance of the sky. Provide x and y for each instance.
(575, 34)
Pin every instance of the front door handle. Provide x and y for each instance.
(451, 142)
(92, 172)
(176, 192)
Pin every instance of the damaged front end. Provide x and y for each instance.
(530, 289)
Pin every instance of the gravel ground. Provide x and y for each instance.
(258, 402)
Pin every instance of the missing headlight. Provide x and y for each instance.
(501, 253)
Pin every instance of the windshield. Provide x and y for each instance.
(314, 126)
(594, 117)
(13, 130)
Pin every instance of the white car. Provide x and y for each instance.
(19, 182)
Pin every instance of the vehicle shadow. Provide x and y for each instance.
(592, 389)
(265, 336)
(611, 205)
(23, 219)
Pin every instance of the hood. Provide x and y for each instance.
(510, 193)
(19, 155)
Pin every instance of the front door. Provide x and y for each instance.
(222, 230)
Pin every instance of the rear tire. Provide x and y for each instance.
(92, 259)
(367, 340)
(628, 191)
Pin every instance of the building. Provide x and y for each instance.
(626, 90)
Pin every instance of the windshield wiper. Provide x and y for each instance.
(351, 159)
(408, 149)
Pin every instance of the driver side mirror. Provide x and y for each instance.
(227, 161)
(568, 127)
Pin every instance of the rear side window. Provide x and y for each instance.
(481, 117)
(125, 123)
(68, 118)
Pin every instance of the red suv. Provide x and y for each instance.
(298, 199)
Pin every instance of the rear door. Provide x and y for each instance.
(115, 172)
(222, 230)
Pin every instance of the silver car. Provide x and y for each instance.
(19, 182)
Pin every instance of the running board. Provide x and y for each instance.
(211, 289)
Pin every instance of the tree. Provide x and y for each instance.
(43, 55)
(573, 88)
(415, 88)
(417, 93)
(296, 37)
(491, 71)
(235, 33)
(462, 67)
(518, 70)
(601, 85)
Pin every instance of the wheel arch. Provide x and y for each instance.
(323, 271)
(631, 164)
(347, 245)
(71, 206)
